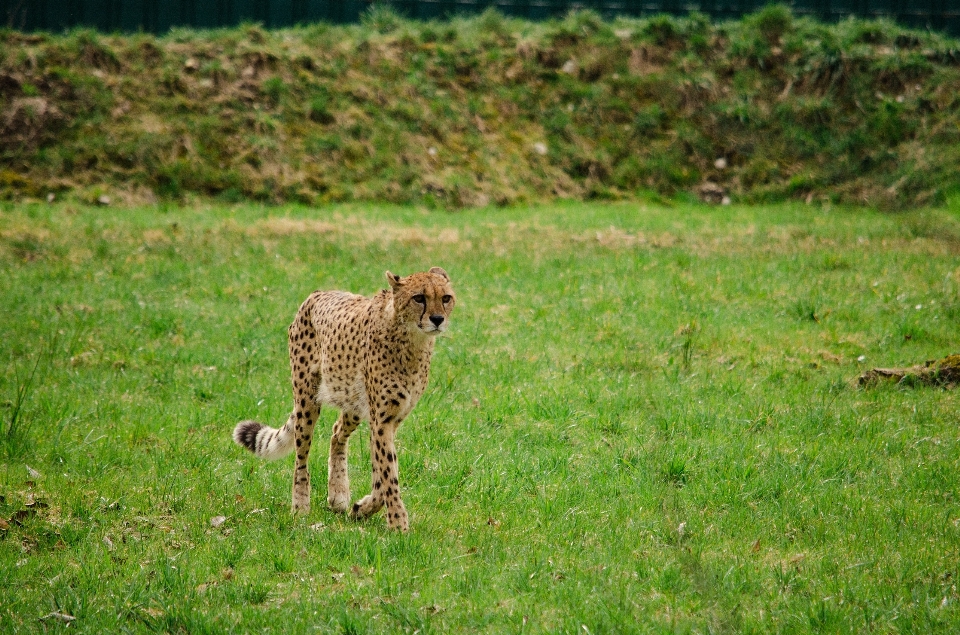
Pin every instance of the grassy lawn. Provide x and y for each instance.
(645, 419)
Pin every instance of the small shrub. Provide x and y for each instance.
(317, 109)
(871, 31)
(772, 22)
(648, 119)
(492, 21)
(662, 29)
(274, 88)
(320, 144)
(428, 35)
(381, 17)
(91, 51)
(584, 22)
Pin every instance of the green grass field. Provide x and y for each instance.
(645, 420)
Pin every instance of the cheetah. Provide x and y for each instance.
(369, 358)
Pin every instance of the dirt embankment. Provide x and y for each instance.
(486, 110)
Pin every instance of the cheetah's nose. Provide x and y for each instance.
(436, 319)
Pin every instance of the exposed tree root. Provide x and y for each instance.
(939, 372)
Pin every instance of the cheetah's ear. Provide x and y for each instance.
(440, 272)
(393, 279)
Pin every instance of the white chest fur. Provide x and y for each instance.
(350, 396)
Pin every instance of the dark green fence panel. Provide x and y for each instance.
(158, 16)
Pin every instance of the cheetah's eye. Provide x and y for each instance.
(446, 299)
(419, 299)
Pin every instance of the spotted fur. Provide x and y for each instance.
(369, 358)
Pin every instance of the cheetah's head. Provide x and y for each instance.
(423, 300)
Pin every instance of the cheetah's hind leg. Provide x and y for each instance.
(305, 413)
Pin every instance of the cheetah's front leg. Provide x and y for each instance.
(386, 482)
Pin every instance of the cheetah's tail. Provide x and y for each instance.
(264, 441)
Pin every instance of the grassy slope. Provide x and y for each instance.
(642, 422)
(462, 113)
